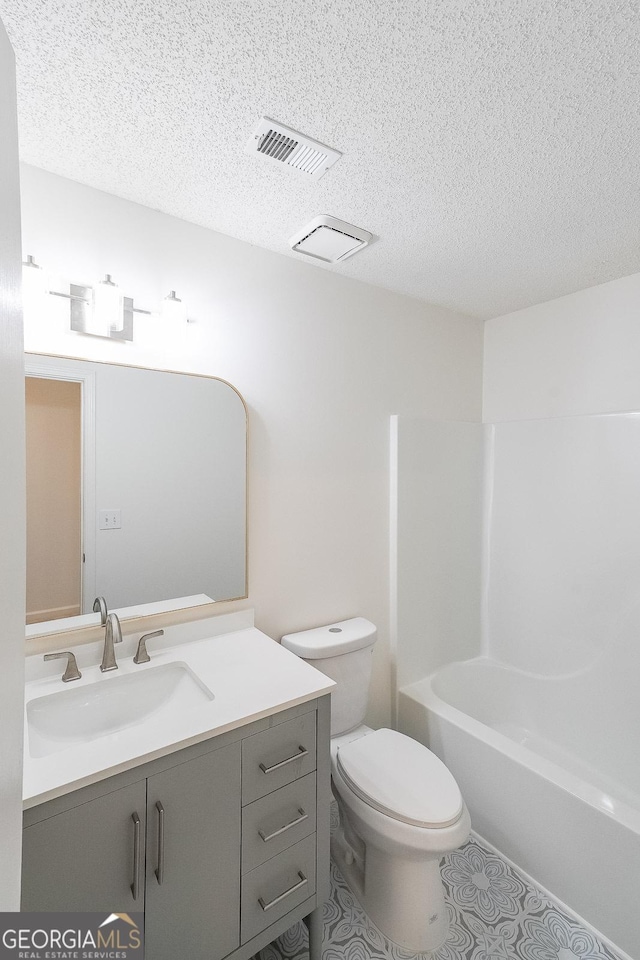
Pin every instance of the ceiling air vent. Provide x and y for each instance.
(285, 146)
(328, 239)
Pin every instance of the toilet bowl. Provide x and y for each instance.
(400, 808)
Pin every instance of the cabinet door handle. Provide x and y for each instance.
(297, 886)
(160, 868)
(135, 886)
(276, 766)
(293, 823)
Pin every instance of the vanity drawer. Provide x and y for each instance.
(277, 886)
(277, 821)
(278, 756)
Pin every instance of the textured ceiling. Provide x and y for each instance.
(492, 145)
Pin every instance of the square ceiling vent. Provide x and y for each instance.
(289, 148)
(329, 239)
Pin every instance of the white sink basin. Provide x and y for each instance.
(80, 714)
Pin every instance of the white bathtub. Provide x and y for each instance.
(550, 770)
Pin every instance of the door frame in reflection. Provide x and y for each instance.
(58, 369)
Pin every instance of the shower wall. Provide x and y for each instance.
(565, 575)
(564, 542)
(519, 541)
(529, 549)
(436, 543)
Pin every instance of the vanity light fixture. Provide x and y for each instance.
(101, 310)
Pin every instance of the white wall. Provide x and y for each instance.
(322, 362)
(12, 489)
(576, 354)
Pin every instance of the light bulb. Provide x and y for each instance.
(108, 308)
(33, 281)
(173, 309)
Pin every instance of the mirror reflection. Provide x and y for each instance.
(136, 487)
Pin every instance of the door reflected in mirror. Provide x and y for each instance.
(54, 498)
(136, 487)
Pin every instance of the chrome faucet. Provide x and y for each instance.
(100, 606)
(112, 634)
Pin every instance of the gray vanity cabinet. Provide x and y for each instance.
(222, 845)
(193, 839)
(167, 845)
(85, 855)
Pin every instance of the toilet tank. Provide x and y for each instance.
(343, 651)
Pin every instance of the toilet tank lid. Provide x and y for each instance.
(331, 640)
(401, 778)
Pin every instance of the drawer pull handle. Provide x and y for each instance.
(135, 886)
(276, 766)
(160, 869)
(297, 886)
(294, 823)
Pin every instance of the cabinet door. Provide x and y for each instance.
(193, 858)
(85, 858)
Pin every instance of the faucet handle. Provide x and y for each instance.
(141, 654)
(71, 671)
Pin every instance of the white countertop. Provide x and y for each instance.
(250, 675)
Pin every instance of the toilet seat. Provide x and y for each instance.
(400, 778)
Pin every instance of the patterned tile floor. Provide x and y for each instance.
(495, 915)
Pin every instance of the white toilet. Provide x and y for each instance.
(400, 808)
